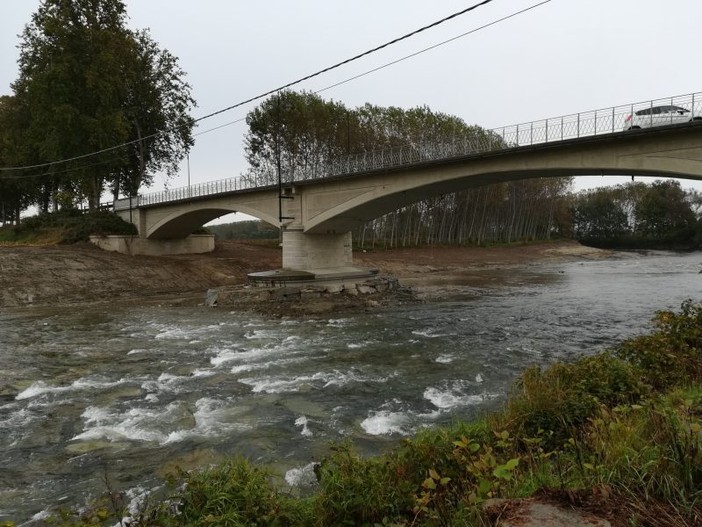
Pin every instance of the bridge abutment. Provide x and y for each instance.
(136, 245)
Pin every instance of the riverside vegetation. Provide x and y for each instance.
(618, 434)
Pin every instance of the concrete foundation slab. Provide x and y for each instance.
(328, 276)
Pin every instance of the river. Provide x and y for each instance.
(114, 396)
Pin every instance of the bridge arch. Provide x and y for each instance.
(179, 221)
(674, 155)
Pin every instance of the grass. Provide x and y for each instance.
(618, 434)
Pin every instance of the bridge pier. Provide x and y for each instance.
(316, 251)
(315, 257)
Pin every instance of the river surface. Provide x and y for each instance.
(114, 396)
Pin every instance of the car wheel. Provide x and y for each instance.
(634, 128)
(696, 119)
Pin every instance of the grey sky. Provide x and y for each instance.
(563, 57)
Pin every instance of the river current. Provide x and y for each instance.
(113, 396)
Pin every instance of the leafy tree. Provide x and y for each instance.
(15, 190)
(292, 132)
(660, 215)
(599, 215)
(156, 112)
(664, 213)
(301, 133)
(88, 83)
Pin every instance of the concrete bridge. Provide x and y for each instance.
(317, 215)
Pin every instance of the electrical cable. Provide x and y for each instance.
(270, 92)
(224, 125)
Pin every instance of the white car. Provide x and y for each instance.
(659, 116)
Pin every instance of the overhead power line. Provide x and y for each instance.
(349, 79)
(347, 61)
(270, 92)
(397, 61)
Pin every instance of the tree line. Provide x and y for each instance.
(86, 84)
(293, 133)
(660, 215)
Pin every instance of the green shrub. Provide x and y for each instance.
(553, 403)
(233, 494)
(72, 225)
(358, 491)
(672, 355)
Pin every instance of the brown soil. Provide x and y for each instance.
(59, 275)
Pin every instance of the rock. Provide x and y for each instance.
(365, 289)
(211, 297)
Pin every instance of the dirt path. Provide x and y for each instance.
(58, 275)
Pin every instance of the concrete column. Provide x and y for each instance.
(316, 251)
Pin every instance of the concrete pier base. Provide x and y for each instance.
(329, 277)
(316, 251)
(193, 244)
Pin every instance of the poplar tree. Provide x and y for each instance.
(88, 83)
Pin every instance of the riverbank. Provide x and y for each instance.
(81, 273)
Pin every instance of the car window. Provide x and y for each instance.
(646, 111)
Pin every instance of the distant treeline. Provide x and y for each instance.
(244, 230)
(659, 215)
(534, 209)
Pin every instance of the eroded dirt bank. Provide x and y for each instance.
(58, 275)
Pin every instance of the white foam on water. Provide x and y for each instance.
(361, 344)
(210, 418)
(136, 351)
(262, 334)
(17, 423)
(303, 422)
(386, 422)
(444, 359)
(258, 366)
(204, 373)
(337, 322)
(289, 345)
(429, 333)
(39, 388)
(454, 398)
(135, 425)
(174, 333)
(302, 476)
(478, 378)
(318, 380)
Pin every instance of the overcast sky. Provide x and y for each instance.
(563, 57)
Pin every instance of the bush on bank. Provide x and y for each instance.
(66, 226)
(619, 433)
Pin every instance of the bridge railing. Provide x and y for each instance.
(573, 126)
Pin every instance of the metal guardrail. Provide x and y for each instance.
(573, 126)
